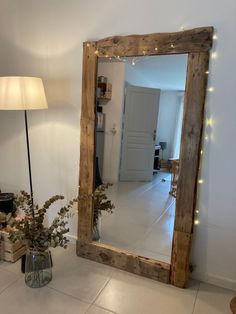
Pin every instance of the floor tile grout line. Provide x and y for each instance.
(69, 295)
(149, 229)
(101, 290)
(100, 307)
(11, 284)
(195, 300)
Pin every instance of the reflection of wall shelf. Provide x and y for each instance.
(104, 91)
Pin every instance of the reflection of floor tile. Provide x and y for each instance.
(98, 310)
(157, 240)
(143, 211)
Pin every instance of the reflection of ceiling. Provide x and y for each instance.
(166, 72)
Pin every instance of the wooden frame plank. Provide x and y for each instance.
(87, 139)
(196, 43)
(125, 260)
(194, 40)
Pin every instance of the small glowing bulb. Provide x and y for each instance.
(197, 211)
(214, 55)
(206, 137)
(211, 89)
(201, 152)
(133, 62)
(207, 72)
(209, 122)
(156, 48)
(88, 45)
(196, 222)
(96, 52)
(200, 181)
(215, 37)
(118, 57)
(172, 45)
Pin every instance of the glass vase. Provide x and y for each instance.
(38, 268)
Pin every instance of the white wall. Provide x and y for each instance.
(166, 124)
(44, 38)
(115, 72)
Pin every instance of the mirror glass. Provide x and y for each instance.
(140, 104)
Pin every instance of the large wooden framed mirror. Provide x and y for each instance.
(195, 45)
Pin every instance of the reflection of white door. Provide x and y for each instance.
(139, 133)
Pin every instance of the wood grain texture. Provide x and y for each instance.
(180, 259)
(194, 40)
(196, 43)
(89, 76)
(124, 260)
(86, 179)
(233, 305)
(191, 140)
(87, 142)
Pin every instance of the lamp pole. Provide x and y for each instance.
(28, 154)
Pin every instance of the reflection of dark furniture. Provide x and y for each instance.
(100, 139)
(156, 165)
(98, 180)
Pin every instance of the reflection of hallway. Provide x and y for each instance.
(143, 218)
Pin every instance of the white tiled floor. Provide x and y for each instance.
(143, 217)
(81, 286)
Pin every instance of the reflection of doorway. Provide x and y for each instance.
(139, 133)
(143, 217)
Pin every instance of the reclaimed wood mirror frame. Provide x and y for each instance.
(197, 44)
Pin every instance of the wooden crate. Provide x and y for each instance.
(10, 251)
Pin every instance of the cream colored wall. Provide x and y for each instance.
(44, 38)
(167, 117)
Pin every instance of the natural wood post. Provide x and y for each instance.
(189, 164)
(87, 139)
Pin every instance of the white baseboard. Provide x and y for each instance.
(215, 280)
(71, 238)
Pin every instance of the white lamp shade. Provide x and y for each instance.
(22, 93)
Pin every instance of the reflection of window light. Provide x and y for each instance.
(215, 37)
(196, 222)
(200, 181)
(206, 137)
(197, 211)
(207, 72)
(210, 89)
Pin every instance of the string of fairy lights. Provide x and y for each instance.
(209, 121)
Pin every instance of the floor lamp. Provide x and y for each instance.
(23, 93)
